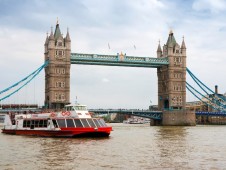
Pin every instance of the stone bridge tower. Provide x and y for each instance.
(57, 73)
(172, 84)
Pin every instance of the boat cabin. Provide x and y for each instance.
(73, 116)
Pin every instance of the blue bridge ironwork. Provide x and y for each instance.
(156, 115)
(118, 60)
(221, 114)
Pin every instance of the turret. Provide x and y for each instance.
(57, 33)
(183, 48)
(46, 43)
(159, 51)
(51, 39)
(67, 40)
(171, 42)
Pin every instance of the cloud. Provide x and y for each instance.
(105, 80)
(215, 6)
(123, 24)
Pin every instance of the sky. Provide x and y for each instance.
(93, 24)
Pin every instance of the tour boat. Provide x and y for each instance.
(74, 121)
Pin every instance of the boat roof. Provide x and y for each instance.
(75, 105)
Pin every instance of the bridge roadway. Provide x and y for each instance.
(156, 115)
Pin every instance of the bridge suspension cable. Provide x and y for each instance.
(26, 80)
(190, 88)
(217, 102)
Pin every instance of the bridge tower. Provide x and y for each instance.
(172, 84)
(57, 73)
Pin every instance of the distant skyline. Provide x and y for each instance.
(134, 27)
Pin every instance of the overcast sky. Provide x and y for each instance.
(121, 23)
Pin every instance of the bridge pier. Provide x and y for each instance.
(154, 122)
(178, 118)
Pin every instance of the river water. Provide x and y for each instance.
(129, 147)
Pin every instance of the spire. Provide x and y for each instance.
(47, 39)
(159, 51)
(171, 40)
(183, 44)
(159, 48)
(51, 37)
(67, 36)
(57, 32)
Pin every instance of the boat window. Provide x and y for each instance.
(102, 121)
(41, 123)
(55, 123)
(70, 123)
(101, 124)
(28, 123)
(2, 118)
(24, 123)
(61, 122)
(91, 123)
(80, 108)
(96, 122)
(45, 123)
(85, 123)
(78, 123)
(32, 122)
(69, 108)
(36, 123)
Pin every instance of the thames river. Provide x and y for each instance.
(131, 147)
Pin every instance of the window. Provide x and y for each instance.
(61, 123)
(55, 123)
(102, 121)
(69, 108)
(41, 123)
(24, 123)
(60, 53)
(63, 97)
(70, 123)
(63, 71)
(2, 118)
(60, 84)
(78, 123)
(99, 121)
(96, 122)
(28, 123)
(36, 123)
(85, 123)
(60, 44)
(91, 123)
(80, 108)
(45, 123)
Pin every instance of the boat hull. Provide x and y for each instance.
(64, 132)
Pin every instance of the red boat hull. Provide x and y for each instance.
(64, 132)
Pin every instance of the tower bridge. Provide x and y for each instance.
(171, 71)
